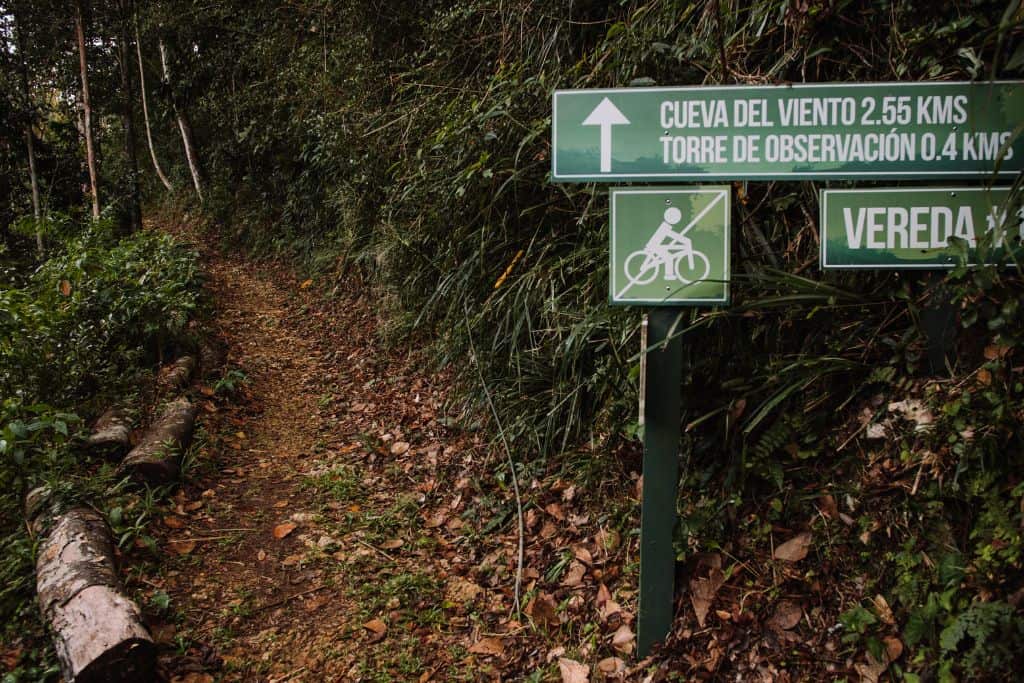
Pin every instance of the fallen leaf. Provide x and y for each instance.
(281, 504)
(173, 522)
(893, 647)
(193, 677)
(883, 610)
(624, 640)
(305, 284)
(543, 609)
(400, 448)
(871, 671)
(182, 547)
(392, 544)
(572, 671)
(795, 549)
(488, 646)
(291, 560)
(611, 666)
(555, 510)
(574, 577)
(787, 615)
(702, 592)
(378, 628)
(462, 591)
(984, 376)
(261, 555)
(65, 288)
(282, 530)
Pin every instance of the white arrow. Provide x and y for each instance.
(606, 115)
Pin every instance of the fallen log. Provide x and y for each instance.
(98, 631)
(155, 459)
(179, 374)
(212, 356)
(111, 435)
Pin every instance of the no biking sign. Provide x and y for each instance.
(670, 245)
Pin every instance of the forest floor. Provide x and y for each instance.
(338, 524)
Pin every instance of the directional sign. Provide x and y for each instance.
(670, 245)
(919, 227)
(880, 130)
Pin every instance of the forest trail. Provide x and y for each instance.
(297, 539)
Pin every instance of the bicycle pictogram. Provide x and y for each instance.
(670, 252)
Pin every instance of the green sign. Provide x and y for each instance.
(670, 245)
(918, 227)
(877, 130)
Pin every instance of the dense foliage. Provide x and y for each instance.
(84, 329)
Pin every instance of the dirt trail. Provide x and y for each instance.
(291, 548)
(336, 524)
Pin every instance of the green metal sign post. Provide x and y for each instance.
(833, 130)
(669, 247)
(664, 361)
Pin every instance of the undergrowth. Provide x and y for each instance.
(82, 329)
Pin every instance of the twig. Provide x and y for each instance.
(508, 454)
(289, 598)
(375, 549)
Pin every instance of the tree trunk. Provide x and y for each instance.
(191, 154)
(145, 114)
(179, 374)
(37, 212)
(90, 154)
(128, 115)
(98, 631)
(155, 459)
(111, 434)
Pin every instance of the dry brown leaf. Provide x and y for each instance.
(624, 640)
(392, 544)
(261, 555)
(306, 284)
(400, 448)
(871, 671)
(282, 530)
(543, 609)
(555, 510)
(65, 288)
(574, 577)
(795, 549)
(603, 595)
(883, 610)
(378, 629)
(787, 615)
(548, 530)
(611, 666)
(462, 591)
(572, 671)
(173, 522)
(893, 647)
(281, 504)
(181, 547)
(291, 560)
(702, 593)
(488, 646)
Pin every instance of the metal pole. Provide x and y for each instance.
(661, 473)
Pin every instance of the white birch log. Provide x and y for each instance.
(155, 460)
(98, 631)
(111, 435)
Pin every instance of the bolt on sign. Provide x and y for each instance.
(669, 245)
(920, 227)
(847, 130)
